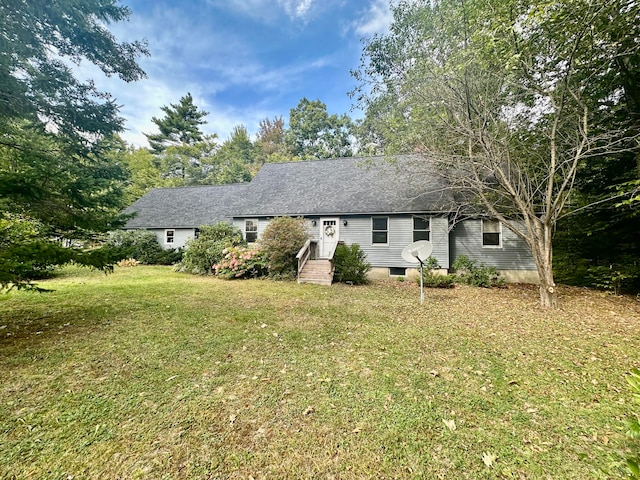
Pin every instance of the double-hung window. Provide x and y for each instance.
(379, 230)
(491, 233)
(251, 230)
(169, 236)
(421, 229)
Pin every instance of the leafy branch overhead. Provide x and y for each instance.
(512, 102)
(39, 86)
(61, 170)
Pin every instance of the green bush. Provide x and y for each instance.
(633, 425)
(141, 245)
(617, 280)
(207, 250)
(432, 279)
(351, 264)
(281, 241)
(241, 262)
(24, 249)
(472, 273)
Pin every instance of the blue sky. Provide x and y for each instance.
(242, 60)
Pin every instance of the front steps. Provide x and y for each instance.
(319, 272)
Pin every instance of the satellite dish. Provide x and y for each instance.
(417, 252)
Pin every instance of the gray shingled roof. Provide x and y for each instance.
(357, 185)
(185, 207)
(399, 184)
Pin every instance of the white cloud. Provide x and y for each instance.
(300, 8)
(191, 54)
(264, 9)
(376, 19)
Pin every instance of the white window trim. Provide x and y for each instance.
(166, 236)
(387, 230)
(482, 233)
(423, 217)
(255, 220)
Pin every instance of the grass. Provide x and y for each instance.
(147, 373)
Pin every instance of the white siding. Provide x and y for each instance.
(180, 236)
(262, 224)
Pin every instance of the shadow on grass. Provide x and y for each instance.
(27, 324)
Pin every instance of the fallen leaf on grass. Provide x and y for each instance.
(309, 411)
(488, 458)
(451, 424)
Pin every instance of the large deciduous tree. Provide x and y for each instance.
(313, 133)
(509, 99)
(271, 141)
(235, 160)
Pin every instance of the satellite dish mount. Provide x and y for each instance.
(418, 252)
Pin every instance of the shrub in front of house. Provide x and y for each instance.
(141, 245)
(208, 249)
(350, 264)
(431, 279)
(470, 272)
(241, 262)
(281, 241)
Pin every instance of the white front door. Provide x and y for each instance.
(328, 236)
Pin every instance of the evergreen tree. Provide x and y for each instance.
(61, 175)
(180, 125)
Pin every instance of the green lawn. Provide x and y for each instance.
(147, 373)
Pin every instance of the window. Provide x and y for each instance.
(169, 236)
(420, 228)
(251, 230)
(379, 230)
(491, 233)
(196, 233)
(397, 272)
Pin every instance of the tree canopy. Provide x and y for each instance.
(61, 175)
(511, 100)
(313, 133)
(180, 125)
(37, 42)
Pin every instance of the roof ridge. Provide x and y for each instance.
(186, 187)
(333, 159)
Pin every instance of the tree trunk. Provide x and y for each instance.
(542, 250)
(548, 291)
